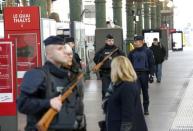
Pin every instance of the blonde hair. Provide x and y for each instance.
(122, 70)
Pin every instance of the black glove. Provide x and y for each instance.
(126, 126)
(150, 78)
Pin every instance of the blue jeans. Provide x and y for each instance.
(158, 71)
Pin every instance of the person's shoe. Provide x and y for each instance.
(146, 113)
(158, 81)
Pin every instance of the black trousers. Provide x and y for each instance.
(143, 83)
(106, 80)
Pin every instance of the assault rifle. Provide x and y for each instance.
(48, 117)
(98, 66)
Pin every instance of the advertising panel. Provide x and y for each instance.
(21, 18)
(1, 29)
(149, 35)
(27, 51)
(7, 78)
(177, 41)
(23, 25)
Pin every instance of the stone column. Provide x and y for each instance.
(130, 17)
(43, 6)
(153, 15)
(158, 13)
(139, 10)
(117, 12)
(75, 10)
(100, 7)
(147, 14)
(10, 3)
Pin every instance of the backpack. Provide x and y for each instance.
(140, 60)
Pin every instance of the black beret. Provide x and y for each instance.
(138, 37)
(109, 36)
(54, 40)
(69, 39)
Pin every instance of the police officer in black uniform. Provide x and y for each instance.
(106, 67)
(41, 89)
(76, 58)
(143, 62)
(73, 71)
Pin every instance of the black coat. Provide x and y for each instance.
(124, 106)
(159, 53)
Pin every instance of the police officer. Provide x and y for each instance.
(70, 41)
(41, 89)
(106, 67)
(74, 70)
(143, 62)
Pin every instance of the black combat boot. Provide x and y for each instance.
(146, 111)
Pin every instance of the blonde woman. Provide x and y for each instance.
(124, 111)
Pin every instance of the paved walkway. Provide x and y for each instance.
(165, 97)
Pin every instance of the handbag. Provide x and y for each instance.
(102, 125)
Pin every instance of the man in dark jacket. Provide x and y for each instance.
(143, 62)
(159, 54)
(106, 67)
(41, 89)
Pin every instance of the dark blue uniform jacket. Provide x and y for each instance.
(150, 58)
(36, 92)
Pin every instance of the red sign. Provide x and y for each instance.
(27, 50)
(7, 78)
(23, 25)
(22, 18)
(172, 30)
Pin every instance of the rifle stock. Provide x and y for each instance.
(98, 66)
(44, 123)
